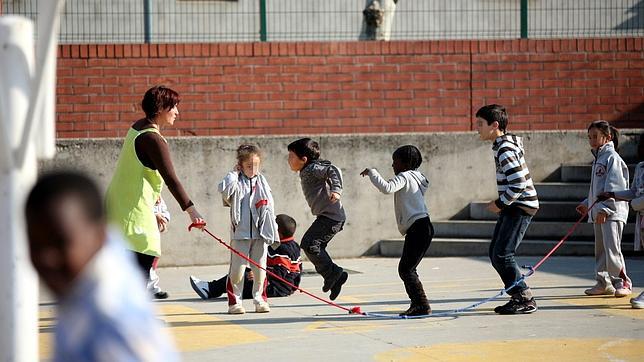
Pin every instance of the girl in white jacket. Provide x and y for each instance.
(409, 187)
(609, 174)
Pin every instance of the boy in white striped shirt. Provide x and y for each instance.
(516, 205)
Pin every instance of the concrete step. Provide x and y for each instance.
(581, 172)
(576, 173)
(546, 230)
(562, 191)
(548, 210)
(479, 247)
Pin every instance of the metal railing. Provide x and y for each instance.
(165, 21)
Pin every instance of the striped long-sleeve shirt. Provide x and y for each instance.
(513, 180)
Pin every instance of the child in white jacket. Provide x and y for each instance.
(253, 227)
(609, 174)
(409, 187)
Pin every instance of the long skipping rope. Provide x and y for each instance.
(358, 311)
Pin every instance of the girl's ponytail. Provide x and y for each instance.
(614, 134)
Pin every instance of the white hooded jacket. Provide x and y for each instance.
(409, 189)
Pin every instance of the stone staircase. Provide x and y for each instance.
(558, 199)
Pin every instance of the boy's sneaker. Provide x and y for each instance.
(262, 307)
(236, 309)
(638, 302)
(622, 289)
(161, 295)
(600, 289)
(417, 310)
(200, 287)
(517, 306)
(335, 289)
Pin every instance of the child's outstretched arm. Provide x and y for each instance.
(386, 187)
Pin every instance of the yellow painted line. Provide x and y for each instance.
(342, 327)
(46, 322)
(525, 350)
(351, 299)
(606, 304)
(194, 330)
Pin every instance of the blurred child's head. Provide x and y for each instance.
(65, 226)
(249, 159)
(285, 226)
(492, 121)
(406, 158)
(600, 133)
(302, 152)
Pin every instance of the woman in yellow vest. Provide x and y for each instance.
(144, 165)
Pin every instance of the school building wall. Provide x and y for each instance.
(352, 87)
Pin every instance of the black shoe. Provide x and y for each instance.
(517, 306)
(335, 290)
(416, 310)
(161, 295)
(328, 284)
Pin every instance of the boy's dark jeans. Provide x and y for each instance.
(417, 240)
(314, 244)
(508, 233)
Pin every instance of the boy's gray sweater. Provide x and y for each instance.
(409, 189)
(319, 179)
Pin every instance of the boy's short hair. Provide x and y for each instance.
(305, 147)
(409, 155)
(52, 186)
(245, 150)
(494, 113)
(285, 225)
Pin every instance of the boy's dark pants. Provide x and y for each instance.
(314, 244)
(417, 240)
(508, 233)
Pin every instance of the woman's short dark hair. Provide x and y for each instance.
(409, 156)
(494, 113)
(158, 99)
(305, 147)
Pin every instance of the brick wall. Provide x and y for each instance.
(352, 87)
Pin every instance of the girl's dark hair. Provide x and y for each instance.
(494, 113)
(285, 225)
(305, 147)
(158, 99)
(409, 156)
(246, 150)
(607, 130)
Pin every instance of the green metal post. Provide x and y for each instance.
(524, 19)
(262, 20)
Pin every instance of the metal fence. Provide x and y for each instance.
(164, 21)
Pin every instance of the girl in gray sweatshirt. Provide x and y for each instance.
(409, 187)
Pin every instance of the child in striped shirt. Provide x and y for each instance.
(516, 205)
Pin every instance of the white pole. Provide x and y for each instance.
(27, 96)
(18, 281)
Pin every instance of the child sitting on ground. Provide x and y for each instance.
(409, 187)
(284, 261)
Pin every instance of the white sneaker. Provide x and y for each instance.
(638, 302)
(262, 307)
(600, 289)
(200, 287)
(622, 289)
(236, 309)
